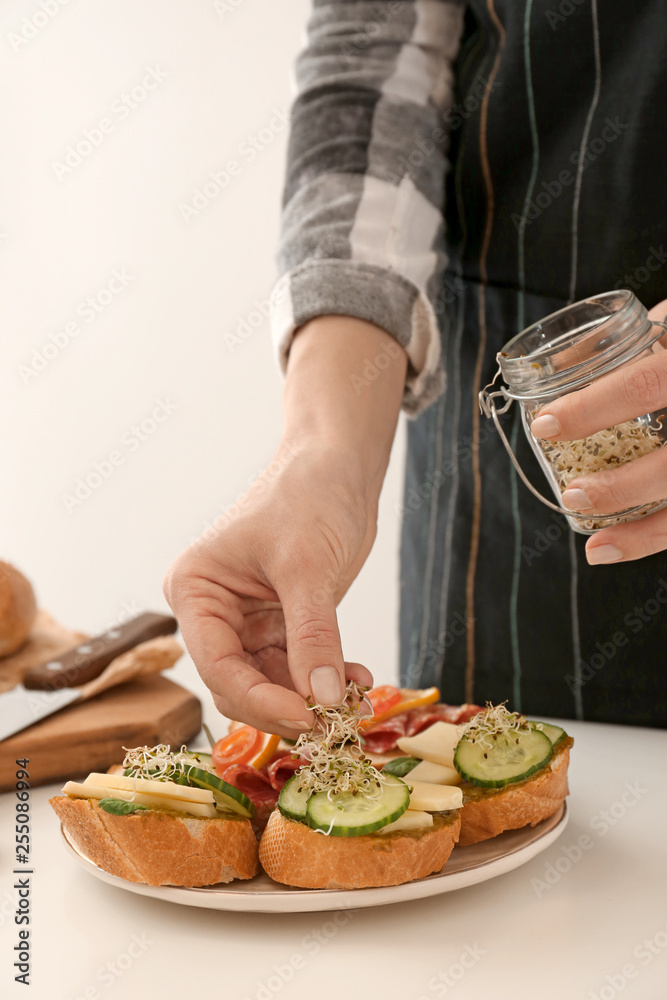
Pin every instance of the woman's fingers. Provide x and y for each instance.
(314, 650)
(239, 646)
(626, 393)
(263, 628)
(263, 634)
(628, 541)
(240, 691)
(641, 481)
(658, 313)
(273, 664)
(211, 620)
(357, 672)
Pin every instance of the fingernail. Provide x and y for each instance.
(293, 723)
(603, 554)
(577, 500)
(325, 686)
(545, 426)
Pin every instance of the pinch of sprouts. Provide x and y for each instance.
(161, 763)
(492, 722)
(335, 760)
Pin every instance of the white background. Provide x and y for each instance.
(163, 336)
(185, 328)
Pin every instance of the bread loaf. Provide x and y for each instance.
(160, 848)
(17, 609)
(292, 853)
(522, 804)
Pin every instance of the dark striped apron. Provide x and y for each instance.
(556, 191)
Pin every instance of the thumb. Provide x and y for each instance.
(314, 651)
(658, 314)
(658, 311)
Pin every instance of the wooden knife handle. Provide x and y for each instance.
(87, 660)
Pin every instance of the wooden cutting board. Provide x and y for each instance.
(90, 736)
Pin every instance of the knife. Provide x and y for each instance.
(52, 685)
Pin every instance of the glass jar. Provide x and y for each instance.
(561, 353)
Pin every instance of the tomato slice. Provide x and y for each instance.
(237, 748)
(383, 698)
(408, 700)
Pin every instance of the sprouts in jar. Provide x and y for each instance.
(600, 451)
(563, 353)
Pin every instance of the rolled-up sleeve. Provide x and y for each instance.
(362, 226)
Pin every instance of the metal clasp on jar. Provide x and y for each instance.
(488, 408)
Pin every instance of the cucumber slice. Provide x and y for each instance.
(292, 802)
(510, 758)
(400, 766)
(201, 755)
(120, 807)
(226, 796)
(555, 733)
(348, 815)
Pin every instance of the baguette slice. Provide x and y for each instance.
(525, 803)
(160, 848)
(292, 853)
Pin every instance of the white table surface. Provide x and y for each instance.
(599, 929)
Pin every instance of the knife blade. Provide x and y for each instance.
(51, 686)
(21, 707)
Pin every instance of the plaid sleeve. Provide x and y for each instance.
(362, 227)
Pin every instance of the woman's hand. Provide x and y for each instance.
(262, 585)
(629, 392)
(256, 596)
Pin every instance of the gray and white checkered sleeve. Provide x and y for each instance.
(362, 227)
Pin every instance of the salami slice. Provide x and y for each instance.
(281, 770)
(382, 737)
(254, 784)
(466, 712)
(421, 718)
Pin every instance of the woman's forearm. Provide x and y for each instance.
(343, 391)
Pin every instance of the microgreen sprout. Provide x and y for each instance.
(605, 449)
(492, 722)
(335, 760)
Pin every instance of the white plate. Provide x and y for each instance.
(466, 866)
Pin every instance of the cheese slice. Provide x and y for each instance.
(437, 743)
(433, 798)
(165, 789)
(87, 790)
(410, 820)
(438, 774)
